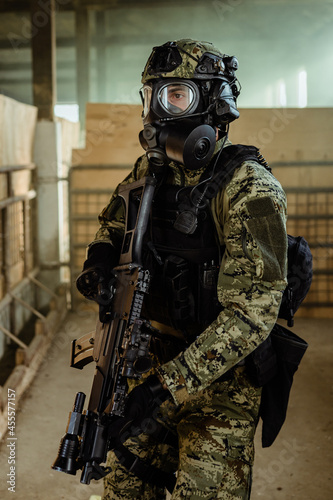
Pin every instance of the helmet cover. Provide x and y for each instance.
(189, 59)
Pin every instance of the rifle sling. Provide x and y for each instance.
(229, 159)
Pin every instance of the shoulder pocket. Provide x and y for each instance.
(267, 227)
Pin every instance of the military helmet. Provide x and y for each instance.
(189, 59)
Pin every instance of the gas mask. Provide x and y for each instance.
(189, 94)
(174, 124)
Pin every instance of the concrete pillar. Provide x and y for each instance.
(43, 45)
(100, 55)
(47, 156)
(47, 142)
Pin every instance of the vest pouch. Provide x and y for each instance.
(208, 306)
(289, 350)
(177, 281)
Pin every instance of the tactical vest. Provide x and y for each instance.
(184, 267)
(183, 261)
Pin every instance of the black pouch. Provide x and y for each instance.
(261, 364)
(170, 300)
(179, 294)
(289, 349)
(208, 305)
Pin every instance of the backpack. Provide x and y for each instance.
(299, 276)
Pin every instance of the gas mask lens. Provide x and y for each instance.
(177, 98)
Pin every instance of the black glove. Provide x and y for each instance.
(141, 403)
(144, 398)
(94, 280)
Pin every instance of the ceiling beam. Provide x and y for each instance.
(82, 46)
(43, 59)
(63, 5)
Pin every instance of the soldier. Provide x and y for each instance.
(218, 264)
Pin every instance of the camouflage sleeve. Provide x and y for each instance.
(250, 215)
(112, 217)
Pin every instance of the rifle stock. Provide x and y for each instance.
(119, 347)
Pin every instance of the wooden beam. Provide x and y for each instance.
(43, 57)
(10, 6)
(82, 41)
(69, 5)
(101, 56)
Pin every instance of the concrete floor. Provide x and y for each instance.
(298, 466)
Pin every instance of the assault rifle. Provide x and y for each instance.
(120, 348)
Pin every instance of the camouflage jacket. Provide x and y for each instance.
(250, 217)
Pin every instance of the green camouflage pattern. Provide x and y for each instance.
(256, 247)
(190, 51)
(215, 456)
(250, 303)
(215, 420)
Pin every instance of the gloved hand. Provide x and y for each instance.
(144, 398)
(140, 405)
(93, 281)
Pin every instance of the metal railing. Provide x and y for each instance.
(17, 250)
(310, 214)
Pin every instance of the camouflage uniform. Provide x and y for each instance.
(214, 406)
